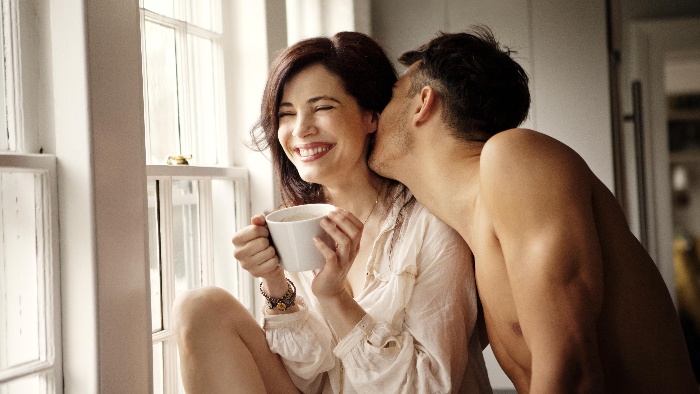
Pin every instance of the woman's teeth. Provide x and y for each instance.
(312, 151)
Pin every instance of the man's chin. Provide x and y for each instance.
(376, 165)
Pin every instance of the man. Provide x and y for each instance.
(571, 300)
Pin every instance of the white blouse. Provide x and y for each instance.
(419, 334)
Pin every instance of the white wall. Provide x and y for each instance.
(246, 62)
(562, 46)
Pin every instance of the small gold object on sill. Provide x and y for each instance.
(178, 160)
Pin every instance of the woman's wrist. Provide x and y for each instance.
(334, 301)
(341, 311)
(275, 285)
(341, 303)
(284, 302)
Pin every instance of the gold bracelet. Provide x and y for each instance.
(283, 302)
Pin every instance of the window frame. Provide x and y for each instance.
(202, 174)
(11, 74)
(19, 50)
(240, 177)
(186, 117)
(48, 272)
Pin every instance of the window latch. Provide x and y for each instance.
(179, 160)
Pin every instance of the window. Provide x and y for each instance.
(186, 252)
(28, 276)
(183, 64)
(194, 207)
(30, 346)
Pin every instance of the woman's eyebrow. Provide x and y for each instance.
(311, 101)
(319, 98)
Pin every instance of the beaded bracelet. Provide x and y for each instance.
(283, 302)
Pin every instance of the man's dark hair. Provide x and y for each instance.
(483, 89)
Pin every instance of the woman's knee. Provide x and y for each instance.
(206, 309)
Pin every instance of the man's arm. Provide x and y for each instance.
(538, 194)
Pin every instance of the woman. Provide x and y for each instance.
(393, 309)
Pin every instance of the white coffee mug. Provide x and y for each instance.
(292, 231)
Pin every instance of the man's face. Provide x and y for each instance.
(394, 141)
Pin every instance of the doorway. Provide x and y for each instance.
(665, 62)
(682, 84)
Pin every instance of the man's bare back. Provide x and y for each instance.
(638, 338)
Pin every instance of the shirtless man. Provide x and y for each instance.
(572, 302)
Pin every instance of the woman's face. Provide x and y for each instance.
(322, 129)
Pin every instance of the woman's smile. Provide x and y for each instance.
(313, 151)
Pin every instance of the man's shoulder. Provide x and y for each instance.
(525, 162)
(518, 150)
(521, 141)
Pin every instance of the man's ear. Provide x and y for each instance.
(371, 120)
(428, 105)
(374, 122)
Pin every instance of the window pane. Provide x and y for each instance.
(32, 384)
(154, 253)
(22, 312)
(4, 132)
(161, 79)
(163, 7)
(203, 13)
(205, 117)
(224, 226)
(158, 375)
(199, 13)
(186, 262)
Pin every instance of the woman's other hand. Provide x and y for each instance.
(252, 249)
(346, 231)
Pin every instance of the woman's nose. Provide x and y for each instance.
(305, 127)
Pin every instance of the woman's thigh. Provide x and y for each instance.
(222, 347)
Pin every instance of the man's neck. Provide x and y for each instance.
(445, 179)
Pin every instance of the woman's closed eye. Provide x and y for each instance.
(323, 108)
(283, 114)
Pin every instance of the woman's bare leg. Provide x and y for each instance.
(222, 347)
